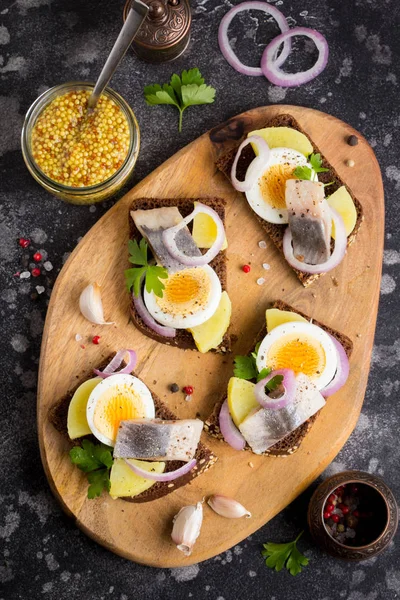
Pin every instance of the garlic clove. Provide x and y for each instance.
(227, 507)
(186, 527)
(91, 306)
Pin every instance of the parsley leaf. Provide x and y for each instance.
(279, 555)
(95, 460)
(304, 172)
(187, 90)
(245, 367)
(264, 373)
(274, 383)
(152, 273)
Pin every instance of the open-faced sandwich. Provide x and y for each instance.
(283, 383)
(298, 197)
(178, 278)
(125, 439)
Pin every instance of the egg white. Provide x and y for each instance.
(254, 196)
(118, 382)
(200, 312)
(303, 329)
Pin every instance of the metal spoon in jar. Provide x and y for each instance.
(135, 18)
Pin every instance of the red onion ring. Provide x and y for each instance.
(256, 167)
(226, 48)
(335, 258)
(170, 476)
(111, 368)
(230, 432)
(289, 384)
(169, 236)
(270, 65)
(342, 372)
(168, 332)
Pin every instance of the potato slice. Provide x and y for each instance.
(276, 317)
(285, 137)
(205, 231)
(241, 399)
(209, 334)
(76, 421)
(343, 203)
(124, 482)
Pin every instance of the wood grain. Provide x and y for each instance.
(142, 532)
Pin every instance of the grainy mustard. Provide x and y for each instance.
(79, 149)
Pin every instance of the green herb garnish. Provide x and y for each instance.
(152, 273)
(273, 383)
(285, 555)
(246, 368)
(96, 460)
(187, 90)
(264, 373)
(305, 172)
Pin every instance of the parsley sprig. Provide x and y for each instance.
(96, 461)
(152, 273)
(304, 172)
(285, 555)
(246, 368)
(187, 90)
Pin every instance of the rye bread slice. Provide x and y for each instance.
(290, 443)
(183, 339)
(225, 160)
(205, 457)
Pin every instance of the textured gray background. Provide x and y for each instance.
(45, 42)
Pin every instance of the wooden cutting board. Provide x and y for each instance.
(141, 532)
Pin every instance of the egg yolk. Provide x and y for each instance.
(299, 353)
(185, 292)
(117, 404)
(273, 182)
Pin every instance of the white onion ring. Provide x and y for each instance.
(169, 236)
(168, 332)
(170, 476)
(335, 258)
(256, 167)
(226, 48)
(230, 432)
(289, 384)
(342, 372)
(111, 368)
(270, 66)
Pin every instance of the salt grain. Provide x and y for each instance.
(266, 266)
(262, 244)
(260, 281)
(188, 397)
(40, 289)
(48, 266)
(25, 275)
(78, 337)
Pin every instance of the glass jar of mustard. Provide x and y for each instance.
(79, 156)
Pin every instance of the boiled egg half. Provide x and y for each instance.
(190, 298)
(117, 398)
(267, 196)
(301, 347)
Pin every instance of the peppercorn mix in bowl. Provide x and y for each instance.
(78, 155)
(353, 515)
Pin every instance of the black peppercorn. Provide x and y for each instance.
(352, 140)
(174, 387)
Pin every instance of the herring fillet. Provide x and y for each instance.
(153, 222)
(155, 439)
(310, 220)
(264, 427)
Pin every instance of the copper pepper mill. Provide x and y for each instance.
(165, 32)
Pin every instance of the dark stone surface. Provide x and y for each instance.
(45, 42)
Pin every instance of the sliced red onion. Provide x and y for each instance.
(169, 238)
(168, 332)
(226, 48)
(289, 384)
(231, 433)
(335, 258)
(170, 476)
(270, 65)
(342, 371)
(256, 167)
(111, 368)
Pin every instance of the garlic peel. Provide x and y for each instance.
(186, 527)
(91, 306)
(227, 507)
